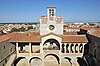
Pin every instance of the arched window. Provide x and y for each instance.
(76, 50)
(71, 48)
(52, 12)
(67, 51)
(51, 44)
(81, 48)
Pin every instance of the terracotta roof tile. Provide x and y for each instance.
(7, 36)
(95, 33)
(70, 33)
(3, 38)
(26, 37)
(74, 38)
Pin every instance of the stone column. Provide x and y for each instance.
(78, 48)
(73, 48)
(83, 49)
(17, 50)
(41, 48)
(30, 48)
(65, 48)
(69, 48)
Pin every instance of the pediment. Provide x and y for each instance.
(57, 35)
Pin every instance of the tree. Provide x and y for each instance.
(14, 30)
(30, 27)
(22, 29)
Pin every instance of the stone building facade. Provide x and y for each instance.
(50, 46)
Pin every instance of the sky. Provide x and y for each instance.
(12, 11)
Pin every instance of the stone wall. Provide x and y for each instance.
(6, 49)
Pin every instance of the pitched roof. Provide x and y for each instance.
(95, 33)
(70, 33)
(70, 38)
(74, 38)
(7, 36)
(36, 37)
(3, 38)
(26, 37)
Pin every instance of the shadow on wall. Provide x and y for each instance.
(81, 62)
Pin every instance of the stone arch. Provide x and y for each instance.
(35, 61)
(17, 60)
(51, 44)
(34, 58)
(69, 59)
(76, 48)
(54, 55)
(21, 61)
(71, 48)
(66, 61)
(81, 61)
(81, 48)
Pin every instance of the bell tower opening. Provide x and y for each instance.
(51, 12)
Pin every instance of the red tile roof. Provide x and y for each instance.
(3, 38)
(26, 37)
(74, 38)
(7, 36)
(70, 33)
(36, 37)
(95, 33)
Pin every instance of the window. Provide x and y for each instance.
(5, 60)
(67, 51)
(4, 47)
(63, 50)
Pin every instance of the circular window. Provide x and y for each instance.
(51, 27)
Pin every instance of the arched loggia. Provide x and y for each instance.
(51, 44)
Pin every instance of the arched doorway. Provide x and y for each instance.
(51, 60)
(35, 61)
(51, 44)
